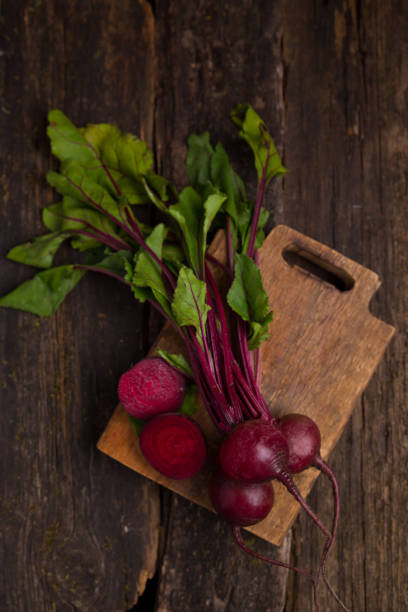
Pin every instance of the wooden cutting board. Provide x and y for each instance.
(323, 349)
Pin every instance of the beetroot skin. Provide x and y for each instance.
(174, 445)
(239, 503)
(151, 387)
(303, 439)
(254, 451)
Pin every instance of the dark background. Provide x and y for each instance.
(330, 78)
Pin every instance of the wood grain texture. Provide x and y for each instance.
(77, 531)
(330, 78)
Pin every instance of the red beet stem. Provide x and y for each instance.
(217, 263)
(293, 490)
(323, 467)
(228, 355)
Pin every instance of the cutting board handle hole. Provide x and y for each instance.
(315, 266)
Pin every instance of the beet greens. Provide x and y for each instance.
(104, 176)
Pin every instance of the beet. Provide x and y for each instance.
(174, 445)
(151, 387)
(254, 451)
(239, 503)
(303, 438)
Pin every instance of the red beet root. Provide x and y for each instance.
(239, 503)
(151, 387)
(303, 438)
(254, 451)
(174, 445)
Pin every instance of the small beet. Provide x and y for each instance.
(254, 451)
(240, 503)
(174, 445)
(151, 387)
(303, 438)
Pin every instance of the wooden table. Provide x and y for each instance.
(79, 531)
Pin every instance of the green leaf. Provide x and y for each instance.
(129, 272)
(188, 213)
(115, 151)
(247, 294)
(138, 424)
(44, 293)
(72, 214)
(147, 272)
(260, 234)
(177, 361)
(113, 159)
(131, 189)
(210, 171)
(116, 263)
(54, 216)
(40, 252)
(67, 142)
(228, 181)
(190, 402)
(195, 218)
(211, 207)
(70, 146)
(208, 167)
(198, 160)
(118, 150)
(76, 182)
(248, 298)
(161, 186)
(128, 160)
(259, 333)
(84, 243)
(158, 190)
(189, 304)
(253, 131)
(94, 255)
(145, 229)
(173, 254)
(142, 294)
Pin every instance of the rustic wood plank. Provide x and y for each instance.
(215, 576)
(384, 238)
(78, 531)
(346, 146)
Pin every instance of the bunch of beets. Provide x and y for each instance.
(104, 176)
